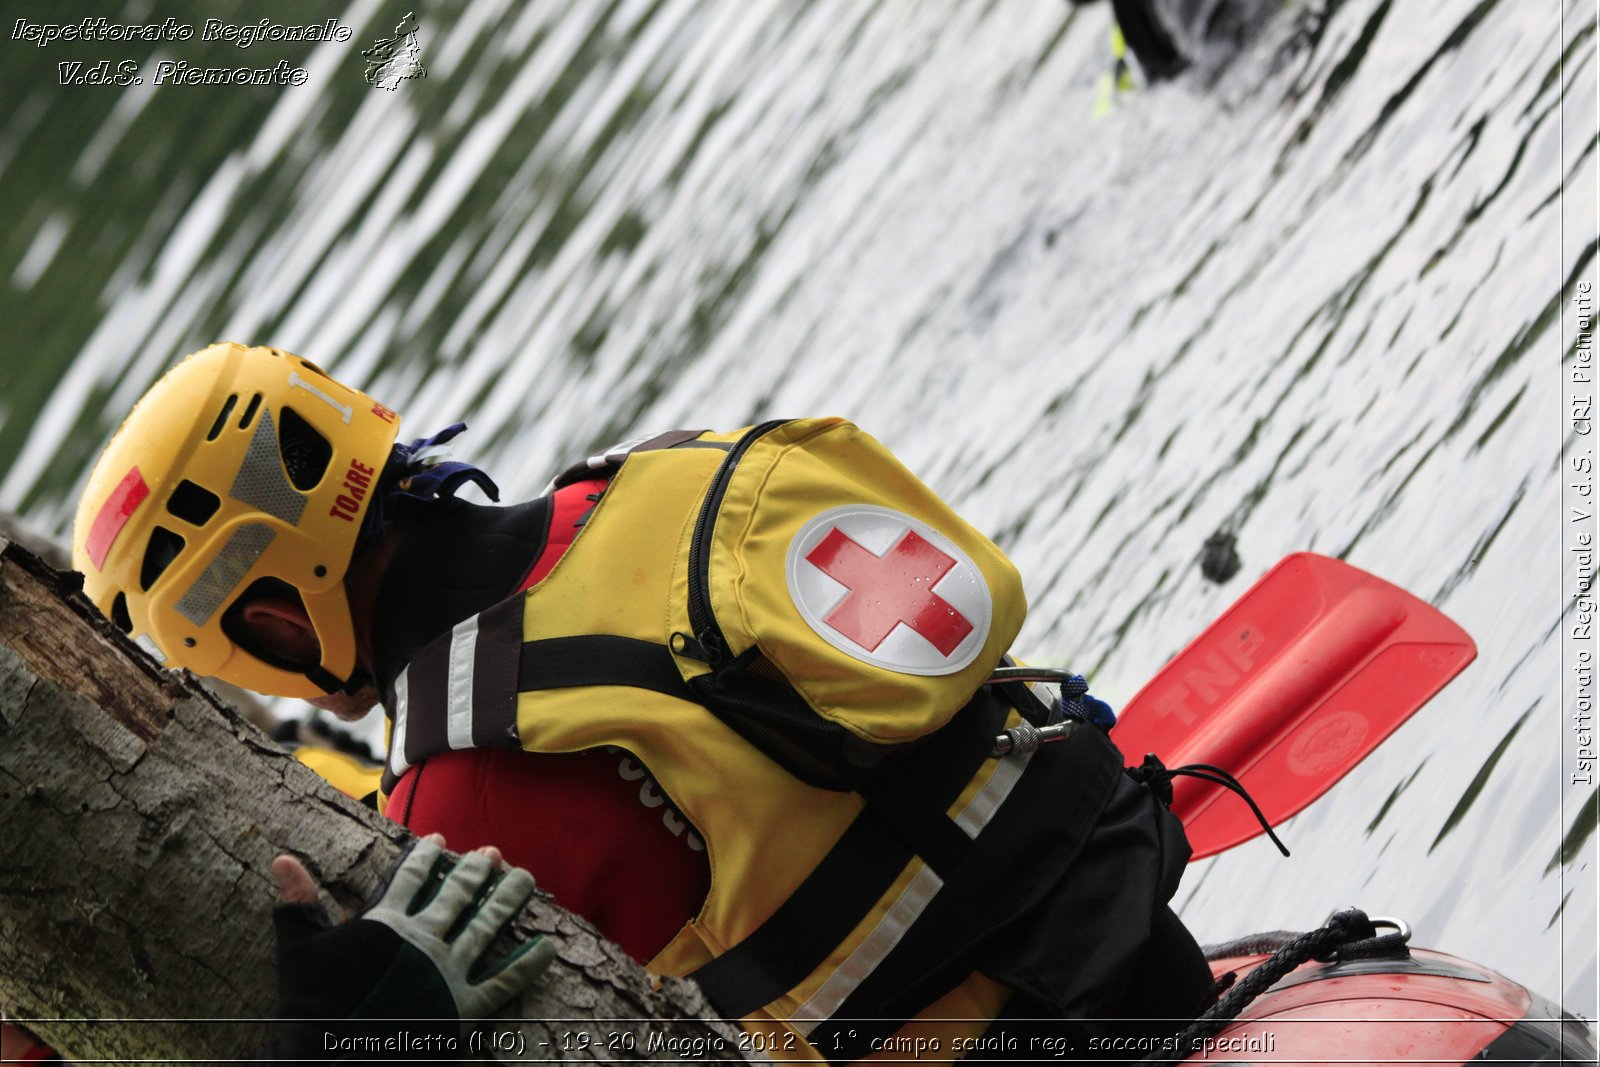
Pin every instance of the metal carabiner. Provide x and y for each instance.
(1025, 737)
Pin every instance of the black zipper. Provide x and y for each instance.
(705, 642)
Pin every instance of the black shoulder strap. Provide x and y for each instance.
(599, 659)
(905, 816)
(474, 672)
(469, 673)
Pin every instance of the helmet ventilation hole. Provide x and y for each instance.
(250, 411)
(159, 553)
(320, 571)
(194, 504)
(222, 417)
(119, 613)
(306, 453)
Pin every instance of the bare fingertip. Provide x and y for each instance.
(295, 884)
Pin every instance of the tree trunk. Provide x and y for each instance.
(140, 816)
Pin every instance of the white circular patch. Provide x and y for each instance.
(890, 590)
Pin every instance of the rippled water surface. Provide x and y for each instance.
(1318, 297)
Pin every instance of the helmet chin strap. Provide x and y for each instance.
(330, 683)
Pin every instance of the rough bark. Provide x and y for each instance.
(140, 815)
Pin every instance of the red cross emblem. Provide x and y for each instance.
(887, 590)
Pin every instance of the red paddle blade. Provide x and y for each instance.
(1302, 677)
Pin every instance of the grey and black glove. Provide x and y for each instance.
(418, 954)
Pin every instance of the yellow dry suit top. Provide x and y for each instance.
(792, 633)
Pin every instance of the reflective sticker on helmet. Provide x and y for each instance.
(223, 573)
(343, 409)
(262, 483)
(890, 590)
(114, 514)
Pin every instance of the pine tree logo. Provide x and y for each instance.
(392, 60)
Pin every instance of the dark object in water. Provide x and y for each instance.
(1168, 36)
(1150, 33)
(1219, 559)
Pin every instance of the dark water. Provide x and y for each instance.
(1320, 298)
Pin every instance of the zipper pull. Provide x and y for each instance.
(706, 648)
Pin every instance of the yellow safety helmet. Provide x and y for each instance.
(241, 466)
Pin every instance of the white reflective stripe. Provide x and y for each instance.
(1046, 695)
(617, 452)
(458, 686)
(907, 906)
(976, 815)
(397, 736)
(860, 963)
(342, 409)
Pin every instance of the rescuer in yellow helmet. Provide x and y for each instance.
(220, 522)
(723, 692)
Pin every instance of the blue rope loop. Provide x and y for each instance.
(420, 473)
(1076, 703)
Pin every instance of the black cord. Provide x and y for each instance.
(1159, 777)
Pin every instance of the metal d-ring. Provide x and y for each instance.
(1399, 926)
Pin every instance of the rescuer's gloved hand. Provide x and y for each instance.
(452, 923)
(417, 954)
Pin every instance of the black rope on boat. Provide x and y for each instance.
(1262, 944)
(1347, 931)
